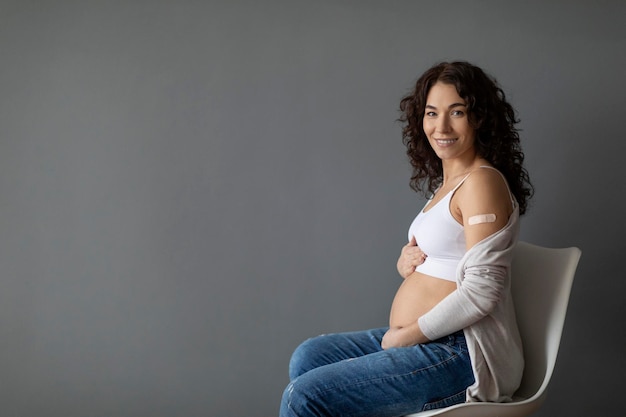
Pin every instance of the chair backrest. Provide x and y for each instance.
(541, 281)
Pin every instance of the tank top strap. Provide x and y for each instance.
(513, 201)
(461, 182)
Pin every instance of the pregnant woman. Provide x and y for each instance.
(452, 334)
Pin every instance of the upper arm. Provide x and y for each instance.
(483, 193)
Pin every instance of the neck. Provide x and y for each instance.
(455, 168)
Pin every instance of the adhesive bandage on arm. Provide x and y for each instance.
(481, 218)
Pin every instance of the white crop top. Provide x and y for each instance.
(441, 237)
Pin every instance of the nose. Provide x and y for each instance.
(443, 124)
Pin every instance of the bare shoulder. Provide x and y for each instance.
(486, 184)
(483, 204)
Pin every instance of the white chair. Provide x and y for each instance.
(541, 280)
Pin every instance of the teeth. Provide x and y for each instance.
(445, 142)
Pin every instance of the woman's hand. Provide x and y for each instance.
(411, 256)
(403, 337)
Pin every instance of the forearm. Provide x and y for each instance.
(410, 335)
(475, 298)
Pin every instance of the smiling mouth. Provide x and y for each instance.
(444, 142)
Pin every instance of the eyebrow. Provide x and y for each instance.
(429, 106)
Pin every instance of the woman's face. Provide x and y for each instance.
(446, 123)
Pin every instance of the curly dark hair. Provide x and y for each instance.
(493, 118)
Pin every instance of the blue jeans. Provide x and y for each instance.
(350, 375)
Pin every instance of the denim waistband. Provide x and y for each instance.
(455, 339)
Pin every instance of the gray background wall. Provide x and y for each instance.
(188, 189)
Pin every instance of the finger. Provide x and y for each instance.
(414, 251)
(412, 242)
(420, 257)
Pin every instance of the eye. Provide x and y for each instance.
(458, 113)
(431, 114)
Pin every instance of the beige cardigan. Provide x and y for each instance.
(483, 307)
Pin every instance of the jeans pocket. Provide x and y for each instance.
(457, 398)
(446, 347)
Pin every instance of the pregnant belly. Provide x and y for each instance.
(416, 296)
